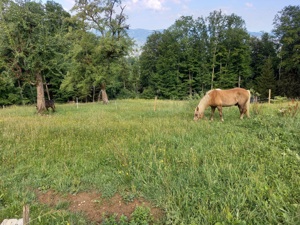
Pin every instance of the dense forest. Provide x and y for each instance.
(48, 53)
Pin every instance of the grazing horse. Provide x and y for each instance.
(218, 98)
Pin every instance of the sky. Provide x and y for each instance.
(161, 14)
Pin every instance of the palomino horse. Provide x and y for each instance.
(218, 98)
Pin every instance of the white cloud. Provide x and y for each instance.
(249, 4)
(154, 4)
(157, 5)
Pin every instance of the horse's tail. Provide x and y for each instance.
(248, 104)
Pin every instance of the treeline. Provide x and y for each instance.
(45, 52)
(195, 55)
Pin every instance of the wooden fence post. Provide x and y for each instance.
(269, 96)
(26, 214)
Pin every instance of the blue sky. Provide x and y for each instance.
(160, 14)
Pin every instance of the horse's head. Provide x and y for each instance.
(198, 115)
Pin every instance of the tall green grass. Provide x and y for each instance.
(235, 172)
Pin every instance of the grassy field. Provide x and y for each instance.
(206, 172)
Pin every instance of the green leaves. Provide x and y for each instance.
(287, 30)
(99, 46)
(193, 55)
(267, 79)
(32, 44)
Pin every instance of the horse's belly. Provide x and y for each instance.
(228, 104)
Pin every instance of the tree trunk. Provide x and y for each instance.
(212, 77)
(190, 84)
(213, 68)
(103, 94)
(47, 90)
(21, 92)
(99, 96)
(94, 93)
(40, 103)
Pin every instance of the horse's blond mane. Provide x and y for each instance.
(203, 104)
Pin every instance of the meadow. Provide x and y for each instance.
(206, 172)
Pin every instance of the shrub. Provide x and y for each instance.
(291, 110)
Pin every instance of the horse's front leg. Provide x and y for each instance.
(212, 112)
(220, 113)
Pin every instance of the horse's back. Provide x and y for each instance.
(235, 92)
(242, 95)
(228, 97)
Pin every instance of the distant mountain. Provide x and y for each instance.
(140, 35)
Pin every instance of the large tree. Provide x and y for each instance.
(148, 62)
(263, 52)
(216, 32)
(80, 77)
(266, 80)
(107, 19)
(287, 30)
(30, 43)
(229, 50)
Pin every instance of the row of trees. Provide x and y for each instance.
(195, 55)
(43, 49)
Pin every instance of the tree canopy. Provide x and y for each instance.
(45, 52)
(32, 43)
(194, 55)
(287, 32)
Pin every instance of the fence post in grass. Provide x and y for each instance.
(155, 103)
(77, 103)
(269, 99)
(26, 214)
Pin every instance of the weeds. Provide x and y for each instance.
(140, 216)
(112, 220)
(256, 108)
(291, 110)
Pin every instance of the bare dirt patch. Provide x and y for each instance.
(94, 206)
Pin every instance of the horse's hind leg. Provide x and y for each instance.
(243, 111)
(220, 113)
(212, 112)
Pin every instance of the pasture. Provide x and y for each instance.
(206, 172)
